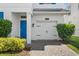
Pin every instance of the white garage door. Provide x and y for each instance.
(44, 27)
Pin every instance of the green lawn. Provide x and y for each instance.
(73, 48)
(75, 38)
(74, 43)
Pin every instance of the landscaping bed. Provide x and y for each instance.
(13, 47)
(21, 53)
(10, 46)
(65, 32)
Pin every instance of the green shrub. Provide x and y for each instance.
(65, 30)
(5, 27)
(12, 44)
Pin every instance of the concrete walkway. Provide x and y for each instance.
(55, 49)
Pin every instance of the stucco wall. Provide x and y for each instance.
(58, 17)
(73, 17)
(16, 6)
(15, 25)
(11, 11)
(50, 6)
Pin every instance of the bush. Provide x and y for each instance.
(12, 44)
(65, 31)
(5, 27)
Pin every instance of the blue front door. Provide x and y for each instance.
(23, 29)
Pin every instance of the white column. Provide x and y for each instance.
(28, 28)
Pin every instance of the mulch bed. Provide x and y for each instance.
(23, 53)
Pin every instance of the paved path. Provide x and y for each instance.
(53, 50)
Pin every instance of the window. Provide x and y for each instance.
(46, 18)
(46, 3)
(41, 3)
(53, 3)
(23, 16)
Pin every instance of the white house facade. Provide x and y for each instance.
(73, 17)
(34, 21)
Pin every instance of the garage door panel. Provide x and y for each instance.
(44, 29)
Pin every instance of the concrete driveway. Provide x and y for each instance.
(50, 48)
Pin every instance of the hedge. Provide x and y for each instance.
(12, 44)
(65, 31)
(5, 27)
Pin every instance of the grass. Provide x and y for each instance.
(73, 48)
(74, 43)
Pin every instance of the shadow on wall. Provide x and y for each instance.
(40, 44)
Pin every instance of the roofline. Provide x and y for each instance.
(55, 9)
(51, 11)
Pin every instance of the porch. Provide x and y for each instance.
(21, 25)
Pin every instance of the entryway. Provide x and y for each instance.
(19, 25)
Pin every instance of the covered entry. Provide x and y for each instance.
(19, 25)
